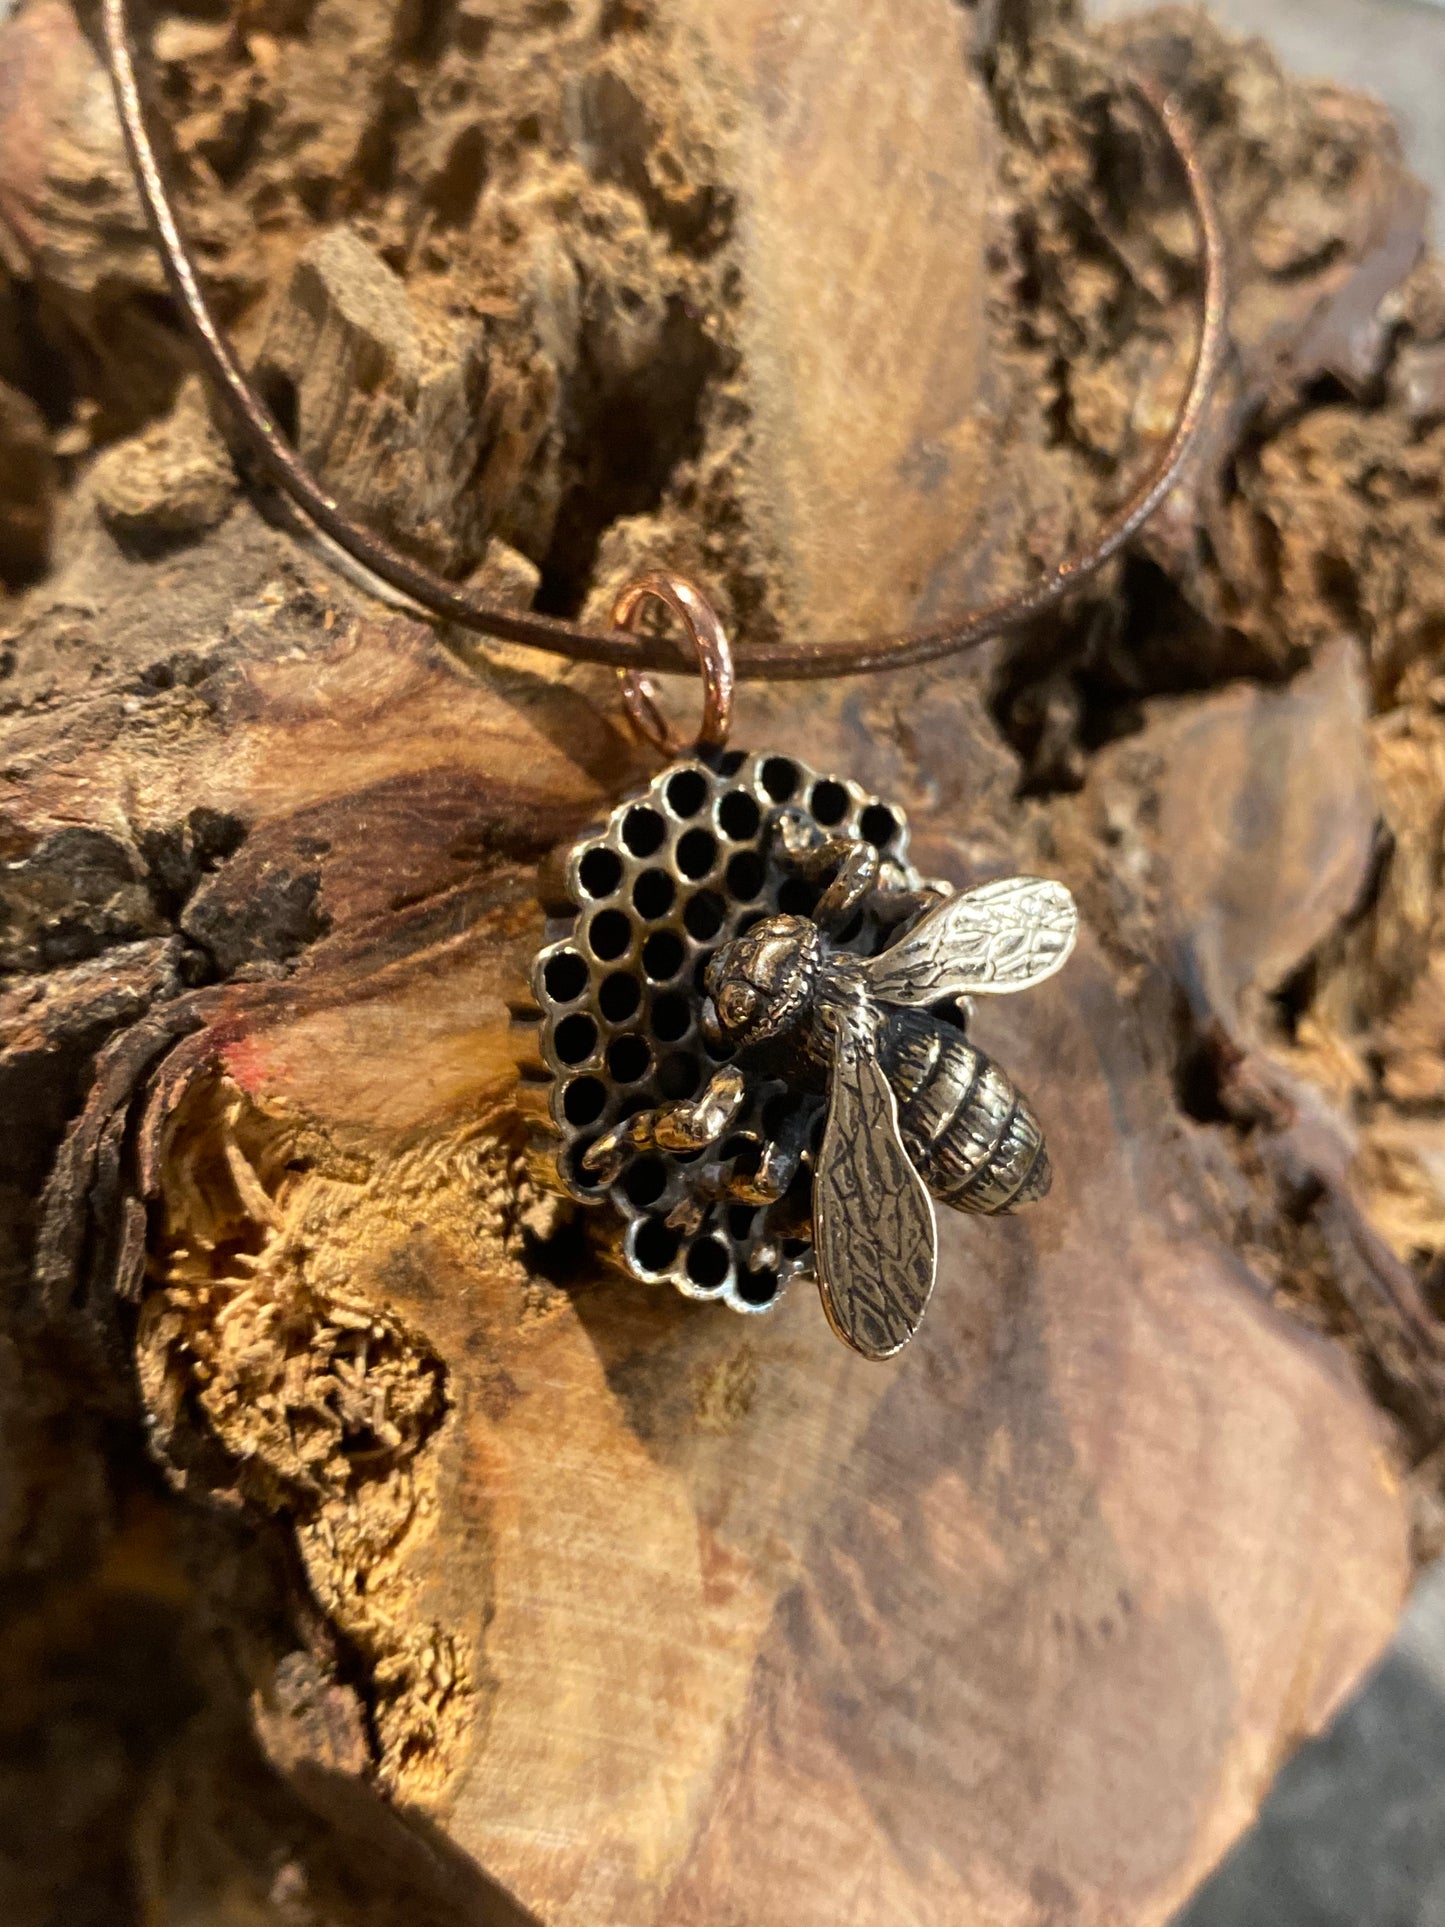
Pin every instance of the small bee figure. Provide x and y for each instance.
(913, 1107)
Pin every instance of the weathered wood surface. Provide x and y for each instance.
(483, 1582)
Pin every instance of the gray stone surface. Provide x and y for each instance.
(1392, 48)
(1353, 1833)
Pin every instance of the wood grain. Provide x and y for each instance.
(414, 1567)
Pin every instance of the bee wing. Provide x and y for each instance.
(1003, 936)
(874, 1233)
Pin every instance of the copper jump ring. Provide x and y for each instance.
(714, 662)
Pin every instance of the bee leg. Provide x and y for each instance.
(855, 878)
(853, 868)
(777, 1167)
(687, 1214)
(899, 904)
(690, 1125)
(711, 1183)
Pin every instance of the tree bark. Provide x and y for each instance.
(374, 1552)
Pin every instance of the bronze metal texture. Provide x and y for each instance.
(645, 902)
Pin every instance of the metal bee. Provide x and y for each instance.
(914, 1110)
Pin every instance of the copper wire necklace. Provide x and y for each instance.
(753, 1010)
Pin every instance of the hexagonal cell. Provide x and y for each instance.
(677, 871)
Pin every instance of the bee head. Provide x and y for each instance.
(761, 984)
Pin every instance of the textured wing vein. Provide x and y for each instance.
(1003, 936)
(874, 1233)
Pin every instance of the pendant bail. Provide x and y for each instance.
(714, 660)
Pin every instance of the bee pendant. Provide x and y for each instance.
(914, 1110)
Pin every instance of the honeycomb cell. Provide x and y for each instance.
(575, 1038)
(644, 1181)
(705, 915)
(829, 803)
(663, 955)
(708, 1262)
(628, 1058)
(686, 792)
(609, 934)
(759, 1288)
(696, 853)
(653, 895)
(798, 896)
(600, 872)
(738, 816)
(643, 831)
(619, 997)
(678, 870)
(565, 976)
(779, 778)
(878, 826)
(584, 1101)
(656, 1245)
(671, 1017)
(679, 1075)
(745, 875)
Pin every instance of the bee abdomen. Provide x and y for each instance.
(970, 1135)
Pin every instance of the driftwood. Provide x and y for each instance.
(372, 1554)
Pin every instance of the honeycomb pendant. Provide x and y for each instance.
(644, 903)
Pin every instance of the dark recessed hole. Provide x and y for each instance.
(687, 791)
(732, 762)
(798, 897)
(739, 816)
(696, 852)
(707, 1262)
(670, 1018)
(609, 934)
(794, 1247)
(736, 1147)
(850, 929)
(278, 391)
(740, 1220)
(600, 872)
(618, 997)
(584, 1179)
(757, 1287)
(584, 1101)
(576, 1039)
(704, 916)
(829, 801)
(628, 1059)
(745, 875)
(878, 825)
(565, 976)
(662, 955)
(776, 1112)
(679, 1075)
(655, 1245)
(652, 894)
(630, 1106)
(644, 1182)
(779, 778)
(643, 831)
(700, 970)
